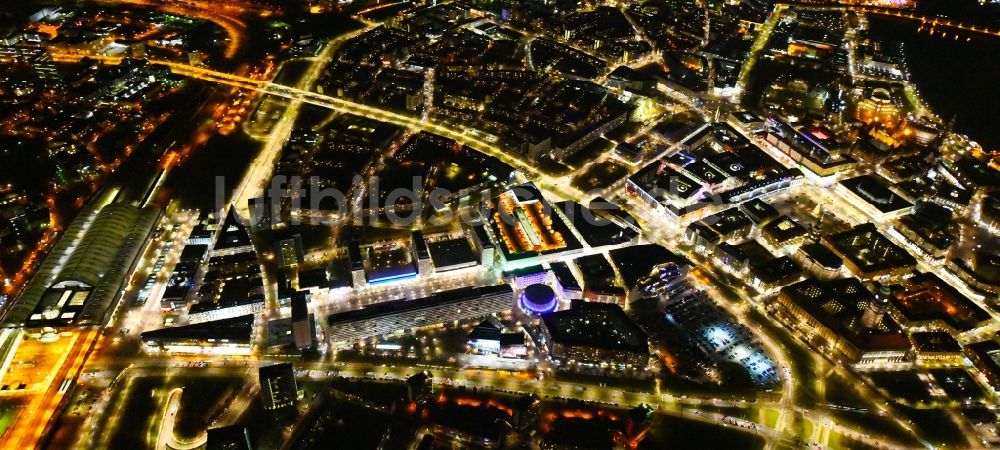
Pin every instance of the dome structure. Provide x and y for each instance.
(539, 299)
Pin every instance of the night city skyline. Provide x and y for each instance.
(499, 224)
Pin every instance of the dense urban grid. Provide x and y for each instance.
(494, 224)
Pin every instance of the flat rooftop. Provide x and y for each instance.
(822, 255)
(665, 184)
(599, 325)
(204, 306)
(564, 275)
(926, 297)
(638, 261)
(872, 189)
(935, 342)
(233, 330)
(783, 229)
(524, 223)
(388, 263)
(837, 305)
(595, 229)
(869, 250)
(595, 269)
(401, 306)
(452, 253)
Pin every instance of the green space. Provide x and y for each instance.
(590, 152)
(834, 441)
(958, 385)
(203, 401)
(139, 414)
(626, 130)
(311, 116)
(771, 417)
(8, 415)
(292, 71)
(902, 385)
(135, 424)
(222, 159)
(379, 392)
(847, 442)
(552, 168)
(599, 176)
(805, 427)
(935, 425)
(803, 365)
(675, 433)
(841, 392)
(380, 14)
(876, 425)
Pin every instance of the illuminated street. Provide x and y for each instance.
(440, 225)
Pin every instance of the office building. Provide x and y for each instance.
(565, 282)
(419, 248)
(303, 322)
(233, 238)
(289, 250)
(483, 244)
(938, 348)
(819, 260)
(844, 317)
(452, 254)
(233, 336)
(985, 356)
(400, 315)
(261, 213)
(208, 311)
(595, 334)
(277, 386)
(358, 278)
(869, 254)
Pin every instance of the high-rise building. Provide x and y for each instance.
(419, 248)
(261, 213)
(289, 250)
(418, 386)
(357, 265)
(484, 245)
(303, 322)
(277, 386)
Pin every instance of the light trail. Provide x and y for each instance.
(932, 22)
(485, 144)
(463, 135)
(42, 408)
(234, 27)
(166, 438)
(925, 21)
